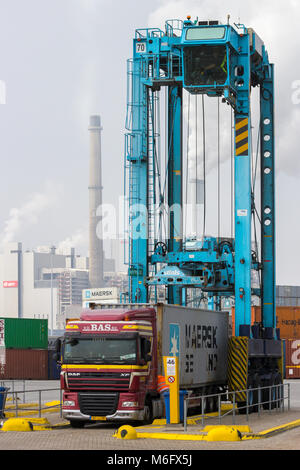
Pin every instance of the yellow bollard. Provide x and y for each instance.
(126, 432)
(17, 424)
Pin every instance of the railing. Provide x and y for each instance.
(268, 398)
(35, 395)
(149, 33)
(174, 28)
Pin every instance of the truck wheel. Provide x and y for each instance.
(148, 412)
(272, 396)
(77, 424)
(241, 405)
(203, 404)
(211, 401)
(266, 393)
(276, 392)
(253, 384)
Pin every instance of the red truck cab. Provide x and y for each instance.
(109, 367)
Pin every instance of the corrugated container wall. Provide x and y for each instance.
(24, 333)
(288, 320)
(292, 358)
(27, 364)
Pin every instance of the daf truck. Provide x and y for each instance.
(111, 359)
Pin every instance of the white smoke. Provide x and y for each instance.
(78, 240)
(27, 215)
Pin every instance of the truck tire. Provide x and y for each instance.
(203, 403)
(148, 412)
(211, 402)
(267, 382)
(276, 392)
(253, 383)
(77, 424)
(253, 394)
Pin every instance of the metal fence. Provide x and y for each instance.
(269, 398)
(275, 397)
(36, 398)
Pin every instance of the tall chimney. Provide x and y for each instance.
(95, 200)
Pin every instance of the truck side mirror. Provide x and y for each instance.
(146, 348)
(148, 357)
(56, 355)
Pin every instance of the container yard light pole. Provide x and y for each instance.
(52, 252)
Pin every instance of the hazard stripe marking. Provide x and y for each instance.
(243, 150)
(238, 366)
(241, 136)
(241, 123)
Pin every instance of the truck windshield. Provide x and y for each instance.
(100, 350)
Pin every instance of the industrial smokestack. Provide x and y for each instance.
(96, 256)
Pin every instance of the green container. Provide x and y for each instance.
(25, 333)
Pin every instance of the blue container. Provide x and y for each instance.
(182, 394)
(3, 394)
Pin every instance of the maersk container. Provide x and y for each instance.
(199, 338)
(24, 333)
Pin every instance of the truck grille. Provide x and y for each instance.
(98, 404)
(99, 381)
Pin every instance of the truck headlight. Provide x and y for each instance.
(130, 404)
(69, 403)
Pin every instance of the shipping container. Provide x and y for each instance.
(292, 359)
(284, 358)
(23, 333)
(23, 364)
(287, 317)
(199, 338)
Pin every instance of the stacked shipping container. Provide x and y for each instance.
(288, 322)
(292, 358)
(23, 349)
(288, 296)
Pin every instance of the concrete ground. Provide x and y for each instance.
(282, 433)
(269, 430)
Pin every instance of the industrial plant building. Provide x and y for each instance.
(47, 283)
(43, 282)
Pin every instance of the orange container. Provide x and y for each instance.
(292, 359)
(288, 321)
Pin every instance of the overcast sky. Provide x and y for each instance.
(62, 60)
